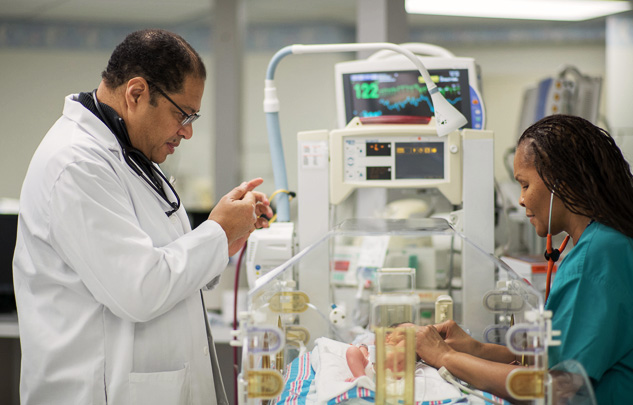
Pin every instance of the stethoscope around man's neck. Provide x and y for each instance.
(130, 154)
(552, 255)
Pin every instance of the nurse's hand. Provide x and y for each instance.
(430, 346)
(240, 212)
(398, 334)
(458, 339)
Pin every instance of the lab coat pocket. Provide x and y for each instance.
(168, 387)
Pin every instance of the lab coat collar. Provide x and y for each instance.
(92, 125)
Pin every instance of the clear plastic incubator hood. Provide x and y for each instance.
(371, 280)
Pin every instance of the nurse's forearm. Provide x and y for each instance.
(496, 353)
(485, 375)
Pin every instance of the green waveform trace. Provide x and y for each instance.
(387, 92)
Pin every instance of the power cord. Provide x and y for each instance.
(291, 195)
(236, 366)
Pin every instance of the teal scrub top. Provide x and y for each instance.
(592, 303)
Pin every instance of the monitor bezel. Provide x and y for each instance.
(399, 63)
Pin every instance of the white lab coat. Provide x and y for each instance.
(107, 286)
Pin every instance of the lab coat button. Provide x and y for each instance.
(206, 350)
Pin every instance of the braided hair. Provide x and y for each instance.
(584, 167)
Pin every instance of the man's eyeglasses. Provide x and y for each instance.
(189, 118)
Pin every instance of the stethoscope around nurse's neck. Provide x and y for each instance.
(135, 159)
(552, 255)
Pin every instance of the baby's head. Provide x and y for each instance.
(397, 336)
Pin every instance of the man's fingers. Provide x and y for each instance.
(249, 198)
(262, 223)
(238, 192)
(251, 184)
(263, 210)
(261, 197)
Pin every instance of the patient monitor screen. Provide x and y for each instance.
(374, 94)
(420, 160)
(401, 160)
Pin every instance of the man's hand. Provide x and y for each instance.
(240, 212)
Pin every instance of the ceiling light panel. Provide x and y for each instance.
(553, 10)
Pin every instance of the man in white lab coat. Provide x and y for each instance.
(108, 273)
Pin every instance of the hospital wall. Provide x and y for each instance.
(34, 81)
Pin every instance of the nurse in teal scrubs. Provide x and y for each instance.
(593, 203)
(574, 180)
